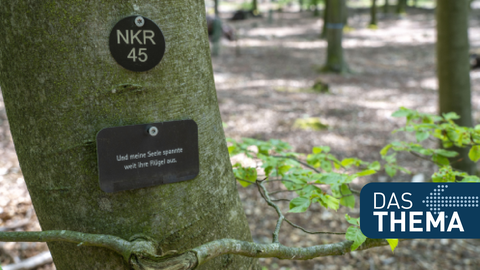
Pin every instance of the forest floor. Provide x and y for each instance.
(264, 83)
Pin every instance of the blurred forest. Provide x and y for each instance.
(270, 86)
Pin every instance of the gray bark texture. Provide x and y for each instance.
(61, 86)
(334, 26)
(373, 13)
(453, 68)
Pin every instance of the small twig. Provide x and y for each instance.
(281, 180)
(307, 231)
(243, 180)
(263, 191)
(299, 161)
(424, 158)
(280, 200)
(280, 191)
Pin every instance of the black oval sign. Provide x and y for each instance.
(137, 43)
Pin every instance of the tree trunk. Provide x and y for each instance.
(401, 7)
(453, 67)
(373, 14)
(325, 19)
(316, 13)
(335, 61)
(215, 7)
(386, 6)
(61, 86)
(255, 7)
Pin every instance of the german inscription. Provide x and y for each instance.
(137, 43)
(140, 156)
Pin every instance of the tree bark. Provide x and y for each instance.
(453, 68)
(401, 7)
(335, 60)
(255, 7)
(61, 86)
(373, 14)
(386, 6)
(325, 19)
(215, 7)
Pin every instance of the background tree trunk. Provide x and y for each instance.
(373, 14)
(402, 7)
(255, 7)
(215, 7)
(61, 86)
(386, 6)
(334, 25)
(325, 19)
(453, 67)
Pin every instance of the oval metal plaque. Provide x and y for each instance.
(137, 43)
(133, 157)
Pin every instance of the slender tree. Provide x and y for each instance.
(453, 68)
(325, 19)
(402, 7)
(255, 7)
(61, 86)
(373, 14)
(217, 14)
(316, 12)
(334, 26)
(386, 6)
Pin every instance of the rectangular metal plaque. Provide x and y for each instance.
(139, 156)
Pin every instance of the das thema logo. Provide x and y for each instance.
(420, 210)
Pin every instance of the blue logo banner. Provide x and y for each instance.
(420, 210)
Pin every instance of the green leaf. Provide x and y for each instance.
(329, 202)
(474, 153)
(249, 174)
(347, 199)
(320, 149)
(326, 166)
(282, 170)
(421, 135)
(446, 153)
(402, 112)
(353, 221)
(299, 205)
(393, 243)
(451, 116)
(440, 160)
(354, 234)
(391, 171)
(471, 179)
(365, 173)
(348, 161)
(375, 166)
(231, 149)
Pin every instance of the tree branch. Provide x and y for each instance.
(263, 191)
(142, 254)
(114, 243)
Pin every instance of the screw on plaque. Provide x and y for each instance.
(139, 21)
(153, 131)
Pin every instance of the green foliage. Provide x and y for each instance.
(320, 177)
(312, 123)
(393, 243)
(354, 233)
